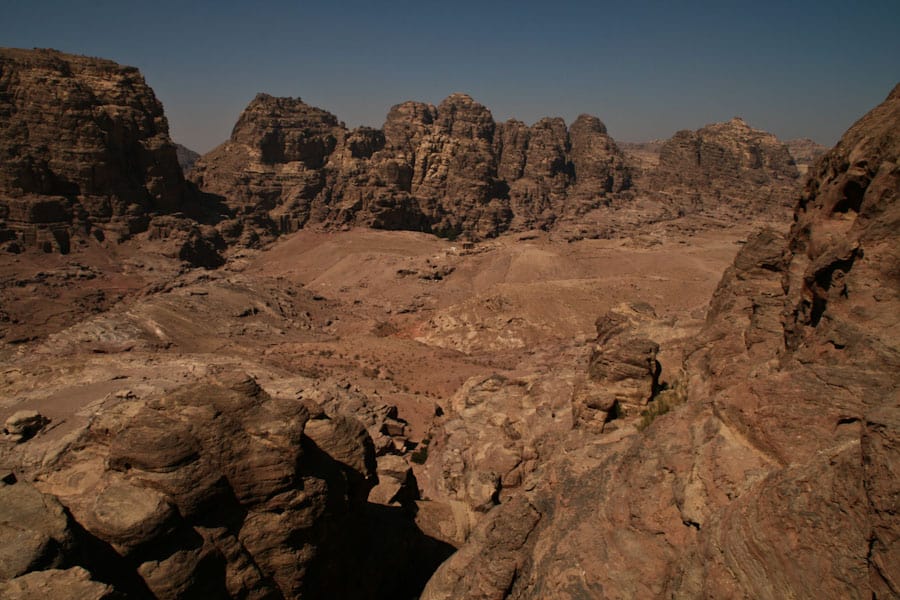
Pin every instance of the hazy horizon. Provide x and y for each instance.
(646, 70)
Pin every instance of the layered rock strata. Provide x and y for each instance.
(449, 169)
(776, 475)
(84, 151)
(726, 168)
(623, 373)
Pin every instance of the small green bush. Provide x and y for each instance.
(665, 399)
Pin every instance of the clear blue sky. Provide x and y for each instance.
(647, 69)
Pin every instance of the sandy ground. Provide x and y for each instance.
(403, 316)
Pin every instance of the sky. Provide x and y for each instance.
(647, 69)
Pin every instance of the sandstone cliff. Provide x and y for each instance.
(728, 168)
(774, 474)
(84, 150)
(448, 169)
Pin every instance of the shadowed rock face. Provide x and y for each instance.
(777, 476)
(728, 168)
(448, 169)
(84, 149)
(186, 157)
(215, 489)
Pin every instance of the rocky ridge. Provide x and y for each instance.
(448, 169)
(452, 170)
(774, 472)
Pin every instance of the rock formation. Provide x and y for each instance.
(623, 373)
(408, 393)
(215, 489)
(448, 169)
(777, 475)
(84, 150)
(727, 168)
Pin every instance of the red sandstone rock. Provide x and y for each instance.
(777, 476)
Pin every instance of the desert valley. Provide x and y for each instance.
(447, 358)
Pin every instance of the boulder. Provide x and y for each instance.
(24, 424)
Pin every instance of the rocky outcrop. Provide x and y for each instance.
(623, 373)
(726, 168)
(84, 151)
(448, 169)
(215, 489)
(776, 476)
(56, 583)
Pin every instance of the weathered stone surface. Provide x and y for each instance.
(88, 129)
(448, 169)
(728, 169)
(500, 537)
(597, 161)
(494, 434)
(777, 476)
(54, 583)
(270, 170)
(218, 489)
(623, 373)
(83, 140)
(34, 531)
(84, 151)
(202, 457)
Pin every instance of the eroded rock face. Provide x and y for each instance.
(448, 169)
(623, 373)
(726, 168)
(56, 583)
(777, 476)
(83, 144)
(215, 489)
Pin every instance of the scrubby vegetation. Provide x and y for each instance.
(665, 399)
